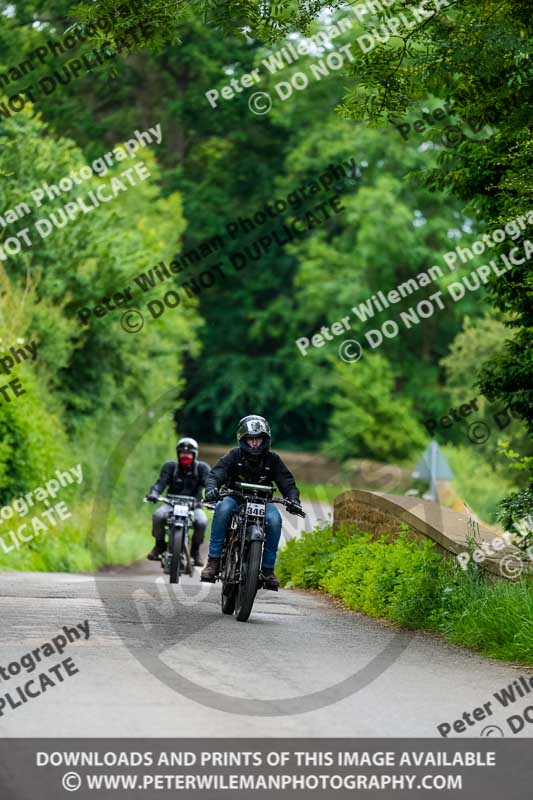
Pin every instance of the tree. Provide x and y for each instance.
(369, 418)
(90, 374)
(217, 165)
(476, 56)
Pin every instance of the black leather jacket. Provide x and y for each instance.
(235, 466)
(178, 481)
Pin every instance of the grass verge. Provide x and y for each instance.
(67, 546)
(323, 492)
(409, 582)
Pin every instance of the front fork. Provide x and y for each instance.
(254, 533)
(167, 555)
(231, 572)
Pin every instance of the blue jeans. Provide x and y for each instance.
(223, 511)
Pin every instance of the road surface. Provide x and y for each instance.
(164, 661)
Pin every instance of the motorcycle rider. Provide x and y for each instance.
(251, 462)
(185, 476)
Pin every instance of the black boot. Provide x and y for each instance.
(196, 560)
(210, 572)
(197, 539)
(157, 551)
(269, 579)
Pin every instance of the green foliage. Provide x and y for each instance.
(127, 235)
(88, 382)
(478, 340)
(399, 581)
(434, 58)
(483, 475)
(481, 484)
(516, 509)
(304, 560)
(495, 619)
(31, 433)
(266, 21)
(508, 375)
(221, 180)
(322, 492)
(233, 350)
(66, 548)
(368, 418)
(410, 583)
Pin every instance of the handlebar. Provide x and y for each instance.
(174, 499)
(291, 507)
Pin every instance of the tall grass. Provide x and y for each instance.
(122, 476)
(69, 548)
(412, 584)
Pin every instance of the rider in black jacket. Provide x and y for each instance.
(251, 462)
(186, 476)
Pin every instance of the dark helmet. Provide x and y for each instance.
(187, 445)
(254, 425)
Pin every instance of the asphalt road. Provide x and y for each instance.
(164, 661)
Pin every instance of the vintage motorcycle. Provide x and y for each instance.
(177, 557)
(242, 553)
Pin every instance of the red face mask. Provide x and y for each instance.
(186, 459)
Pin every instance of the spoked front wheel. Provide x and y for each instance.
(248, 588)
(176, 539)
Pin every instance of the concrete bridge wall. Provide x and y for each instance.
(379, 514)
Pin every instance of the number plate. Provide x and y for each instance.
(255, 509)
(181, 511)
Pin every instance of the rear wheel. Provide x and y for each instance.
(248, 588)
(176, 539)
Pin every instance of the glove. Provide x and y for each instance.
(294, 507)
(152, 498)
(211, 495)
